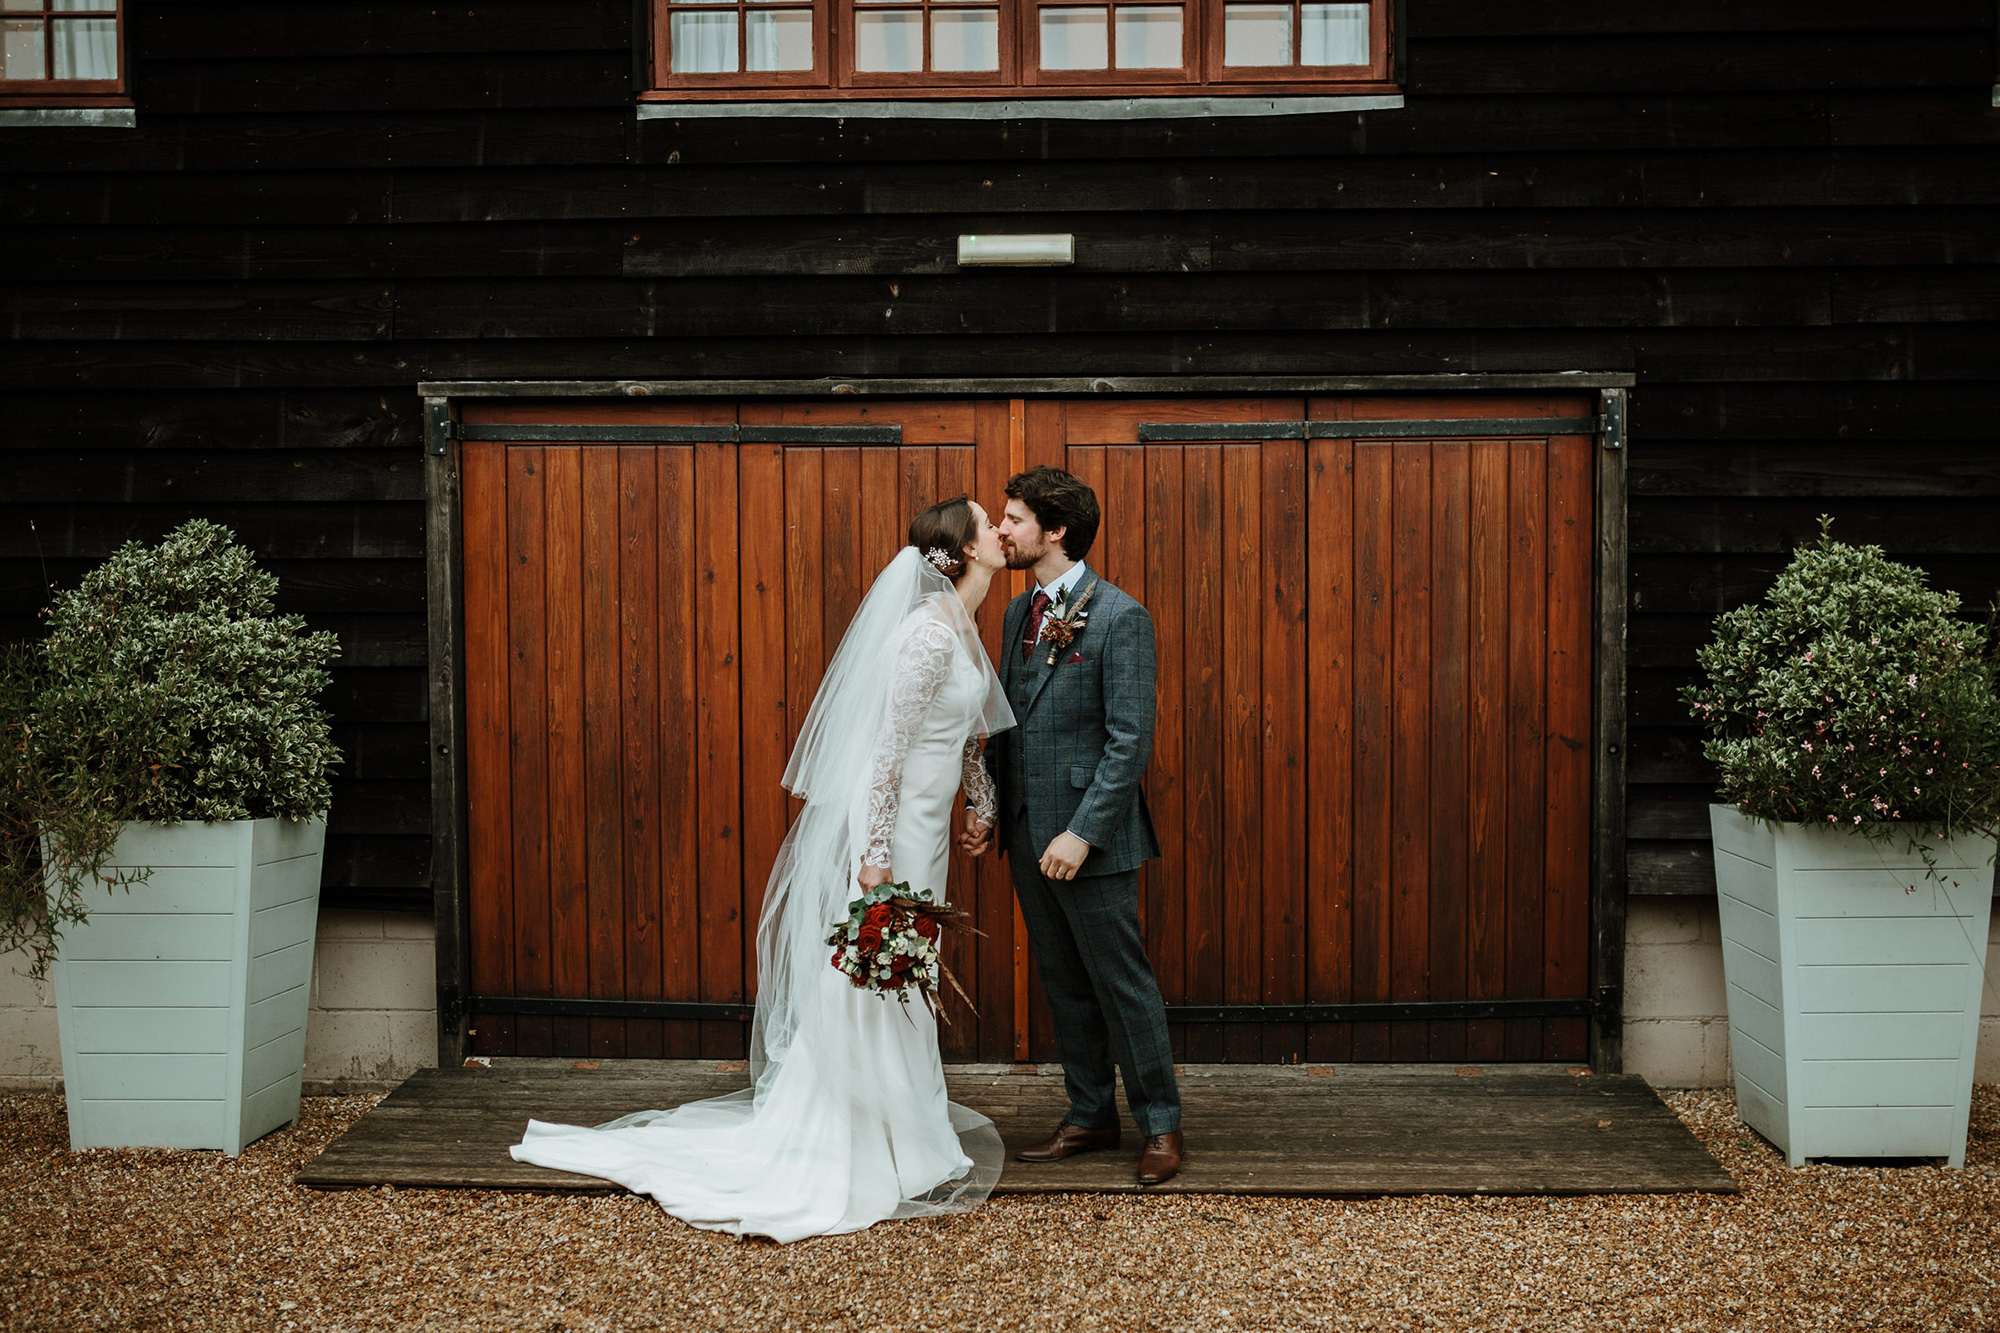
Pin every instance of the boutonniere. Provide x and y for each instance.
(1062, 627)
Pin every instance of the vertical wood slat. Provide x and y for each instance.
(643, 832)
(766, 734)
(1608, 748)
(603, 743)
(1449, 783)
(1283, 739)
(1566, 849)
(681, 679)
(807, 646)
(1166, 879)
(528, 757)
(569, 915)
(450, 798)
(1486, 746)
(1242, 764)
(1202, 678)
(1329, 776)
(1526, 766)
(1121, 544)
(719, 790)
(488, 729)
(1374, 851)
(1411, 762)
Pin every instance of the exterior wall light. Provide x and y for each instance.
(1047, 251)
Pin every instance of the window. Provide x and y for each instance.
(61, 53)
(721, 49)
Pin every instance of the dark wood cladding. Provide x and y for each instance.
(1778, 218)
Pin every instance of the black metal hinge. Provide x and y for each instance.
(1614, 402)
(724, 433)
(1196, 432)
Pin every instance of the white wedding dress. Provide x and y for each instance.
(846, 1122)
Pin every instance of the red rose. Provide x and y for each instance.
(927, 927)
(877, 916)
(870, 939)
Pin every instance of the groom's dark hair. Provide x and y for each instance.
(1059, 499)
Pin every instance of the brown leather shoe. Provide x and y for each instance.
(1068, 1141)
(1161, 1160)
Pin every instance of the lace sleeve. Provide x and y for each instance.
(920, 674)
(978, 784)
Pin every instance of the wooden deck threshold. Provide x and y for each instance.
(1340, 1130)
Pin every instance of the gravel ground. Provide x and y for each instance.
(154, 1239)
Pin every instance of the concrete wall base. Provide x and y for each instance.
(374, 1007)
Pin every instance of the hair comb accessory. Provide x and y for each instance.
(942, 558)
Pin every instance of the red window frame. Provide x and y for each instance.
(54, 92)
(1378, 40)
(663, 71)
(953, 81)
(835, 78)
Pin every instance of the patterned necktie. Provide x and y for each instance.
(1033, 632)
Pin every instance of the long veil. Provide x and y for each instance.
(829, 770)
(844, 1123)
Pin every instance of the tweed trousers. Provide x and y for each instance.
(1102, 994)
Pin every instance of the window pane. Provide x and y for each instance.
(1333, 35)
(889, 41)
(704, 43)
(1149, 37)
(77, 4)
(21, 50)
(86, 48)
(1257, 35)
(21, 4)
(968, 39)
(1075, 39)
(781, 38)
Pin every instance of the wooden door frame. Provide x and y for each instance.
(445, 588)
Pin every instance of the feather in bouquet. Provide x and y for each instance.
(889, 943)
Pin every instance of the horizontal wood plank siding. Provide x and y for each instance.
(1778, 218)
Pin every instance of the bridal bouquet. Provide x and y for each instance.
(889, 942)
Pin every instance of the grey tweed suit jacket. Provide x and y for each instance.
(1083, 732)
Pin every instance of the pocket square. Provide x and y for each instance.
(1073, 657)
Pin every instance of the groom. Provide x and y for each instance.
(1078, 666)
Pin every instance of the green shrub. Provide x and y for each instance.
(166, 689)
(169, 677)
(1852, 695)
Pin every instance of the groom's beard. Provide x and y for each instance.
(1019, 559)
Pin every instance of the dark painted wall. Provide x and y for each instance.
(1779, 217)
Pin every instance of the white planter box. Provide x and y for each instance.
(182, 1005)
(1854, 978)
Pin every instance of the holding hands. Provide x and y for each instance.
(976, 838)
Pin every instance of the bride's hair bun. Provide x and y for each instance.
(942, 532)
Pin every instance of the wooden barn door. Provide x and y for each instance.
(646, 623)
(1372, 770)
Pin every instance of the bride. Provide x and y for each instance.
(846, 1122)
